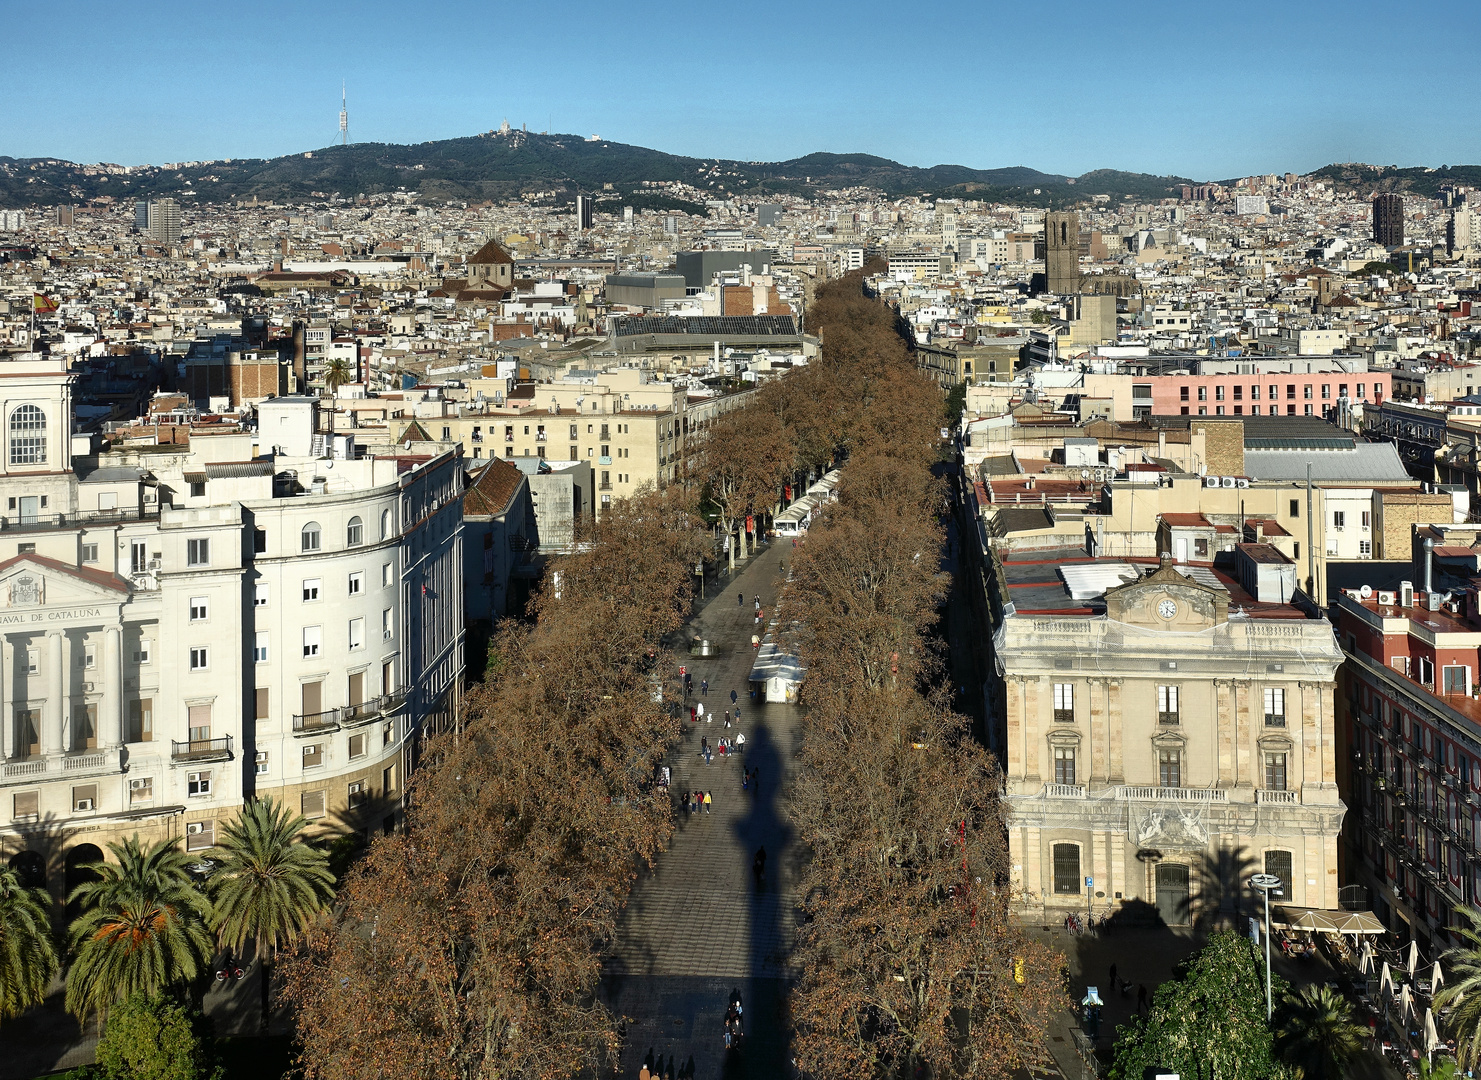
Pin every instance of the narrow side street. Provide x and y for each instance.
(698, 927)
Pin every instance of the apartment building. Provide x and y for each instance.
(187, 627)
(1163, 729)
(1411, 731)
(1270, 394)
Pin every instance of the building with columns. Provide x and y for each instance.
(1165, 731)
(261, 611)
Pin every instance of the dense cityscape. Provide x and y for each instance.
(647, 629)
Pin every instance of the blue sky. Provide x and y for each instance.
(1207, 91)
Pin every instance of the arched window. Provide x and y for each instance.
(385, 524)
(27, 436)
(355, 534)
(311, 536)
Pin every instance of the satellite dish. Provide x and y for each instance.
(1366, 591)
(1084, 474)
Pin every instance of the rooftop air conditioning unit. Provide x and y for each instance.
(1386, 598)
(1227, 482)
(1241, 482)
(1211, 481)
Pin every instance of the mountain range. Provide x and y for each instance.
(552, 169)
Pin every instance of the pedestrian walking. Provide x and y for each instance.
(746, 780)
(733, 696)
(737, 716)
(740, 737)
(692, 717)
(704, 744)
(1113, 976)
(727, 717)
(740, 598)
(709, 801)
(700, 708)
(704, 687)
(758, 601)
(1141, 997)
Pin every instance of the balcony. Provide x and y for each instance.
(1268, 797)
(1172, 794)
(41, 522)
(1065, 791)
(201, 749)
(349, 715)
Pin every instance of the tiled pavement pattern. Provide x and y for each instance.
(697, 927)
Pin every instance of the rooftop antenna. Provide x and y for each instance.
(344, 117)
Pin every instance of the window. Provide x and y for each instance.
(356, 793)
(198, 609)
(259, 647)
(385, 524)
(1278, 864)
(1170, 768)
(312, 639)
(89, 553)
(25, 806)
(141, 720)
(259, 596)
(386, 624)
(1238, 393)
(200, 835)
(1064, 702)
(1218, 393)
(141, 790)
(385, 575)
(357, 746)
(259, 541)
(142, 653)
(1203, 393)
(198, 552)
(1339, 519)
(138, 556)
(311, 538)
(1275, 772)
(1365, 548)
(84, 798)
(262, 763)
(1254, 410)
(388, 733)
(197, 489)
(1455, 679)
(357, 633)
(1167, 704)
(1290, 391)
(1274, 395)
(198, 719)
(311, 804)
(33, 661)
(313, 756)
(1326, 390)
(310, 590)
(27, 436)
(1066, 868)
(355, 533)
(89, 657)
(260, 698)
(198, 783)
(1275, 706)
(1367, 519)
(199, 658)
(1064, 765)
(1306, 391)
(357, 583)
(1295, 508)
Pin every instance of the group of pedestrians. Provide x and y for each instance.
(1124, 986)
(697, 801)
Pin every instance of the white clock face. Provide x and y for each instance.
(1167, 609)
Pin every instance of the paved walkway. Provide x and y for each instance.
(698, 928)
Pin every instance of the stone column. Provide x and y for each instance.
(1013, 723)
(1226, 708)
(1034, 694)
(54, 733)
(1310, 740)
(1115, 770)
(110, 715)
(1244, 737)
(7, 696)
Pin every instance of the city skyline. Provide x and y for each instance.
(1228, 97)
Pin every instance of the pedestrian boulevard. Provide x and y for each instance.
(698, 926)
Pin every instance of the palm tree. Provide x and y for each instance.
(143, 926)
(1317, 1036)
(28, 960)
(1462, 994)
(337, 372)
(270, 884)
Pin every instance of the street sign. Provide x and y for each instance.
(1090, 883)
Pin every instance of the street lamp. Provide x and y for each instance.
(1267, 883)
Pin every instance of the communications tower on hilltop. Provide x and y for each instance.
(344, 117)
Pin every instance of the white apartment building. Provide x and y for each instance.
(187, 627)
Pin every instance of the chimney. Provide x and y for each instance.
(1429, 564)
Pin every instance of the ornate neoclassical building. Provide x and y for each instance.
(183, 627)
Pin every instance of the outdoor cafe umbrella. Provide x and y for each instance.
(1436, 978)
(1431, 1036)
(1365, 960)
(1386, 980)
(1413, 957)
(1406, 1005)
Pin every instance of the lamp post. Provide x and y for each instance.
(1267, 883)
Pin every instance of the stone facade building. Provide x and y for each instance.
(1165, 731)
(186, 627)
